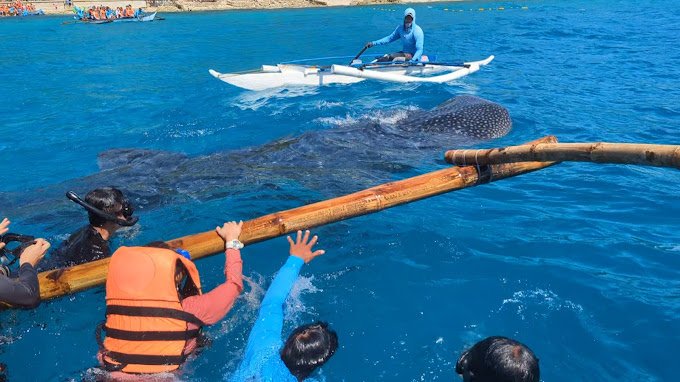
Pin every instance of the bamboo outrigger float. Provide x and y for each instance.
(60, 282)
(597, 152)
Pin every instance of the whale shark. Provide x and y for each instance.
(331, 161)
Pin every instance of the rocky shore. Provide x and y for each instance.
(60, 7)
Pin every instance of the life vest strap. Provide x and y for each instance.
(143, 359)
(130, 335)
(143, 311)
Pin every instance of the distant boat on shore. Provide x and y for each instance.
(13, 13)
(141, 18)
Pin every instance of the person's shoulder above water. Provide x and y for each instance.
(86, 244)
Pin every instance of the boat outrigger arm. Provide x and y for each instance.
(272, 76)
(458, 72)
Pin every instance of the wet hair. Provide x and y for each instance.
(110, 200)
(308, 347)
(498, 359)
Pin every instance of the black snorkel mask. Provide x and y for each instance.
(127, 211)
(9, 256)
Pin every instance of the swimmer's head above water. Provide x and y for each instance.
(106, 204)
(498, 359)
(309, 347)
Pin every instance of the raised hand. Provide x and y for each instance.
(302, 247)
(4, 227)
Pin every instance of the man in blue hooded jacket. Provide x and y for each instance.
(411, 36)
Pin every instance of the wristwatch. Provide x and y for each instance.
(233, 244)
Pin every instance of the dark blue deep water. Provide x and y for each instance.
(579, 261)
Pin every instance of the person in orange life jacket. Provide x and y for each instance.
(23, 290)
(498, 359)
(155, 307)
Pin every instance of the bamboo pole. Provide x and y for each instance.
(77, 278)
(598, 152)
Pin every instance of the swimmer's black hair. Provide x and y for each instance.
(498, 359)
(104, 204)
(308, 347)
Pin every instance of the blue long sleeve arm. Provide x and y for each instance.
(388, 39)
(420, 42)
(265, 337)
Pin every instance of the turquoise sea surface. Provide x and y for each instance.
(579, 261)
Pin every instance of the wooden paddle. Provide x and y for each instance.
(359, 55)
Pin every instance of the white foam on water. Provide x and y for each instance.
(389, 117)
(129, 232)
(546, 299)
(322, 105)
(256, 100)
(294, 304)
(337, 121)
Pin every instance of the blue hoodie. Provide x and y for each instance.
(262, 360)
(412, 38)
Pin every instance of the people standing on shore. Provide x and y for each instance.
(18, 8)
(412, 39)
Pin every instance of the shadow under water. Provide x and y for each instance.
(331, 162)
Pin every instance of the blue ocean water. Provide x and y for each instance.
(579, 261)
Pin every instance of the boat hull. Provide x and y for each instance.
(282, 75)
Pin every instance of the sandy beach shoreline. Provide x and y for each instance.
(61, 8)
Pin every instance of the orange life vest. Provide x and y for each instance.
(146, 328)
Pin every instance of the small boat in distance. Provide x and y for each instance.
(140, 18)
(272, 76)
(105, 15)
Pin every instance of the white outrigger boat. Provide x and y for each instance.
(272, 76)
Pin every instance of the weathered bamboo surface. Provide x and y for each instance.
(598, 152)
(70, 280)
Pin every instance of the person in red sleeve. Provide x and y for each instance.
(155, 307)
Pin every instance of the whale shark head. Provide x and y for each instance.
(464, 115)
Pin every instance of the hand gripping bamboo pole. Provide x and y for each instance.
(598, 152)
(70, 280)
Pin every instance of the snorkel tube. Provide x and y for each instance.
(127, 211)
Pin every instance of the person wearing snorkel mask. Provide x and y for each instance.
(108, 210)
(411, 36)
(24, 289)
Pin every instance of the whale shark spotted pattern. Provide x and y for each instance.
(466, 115)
